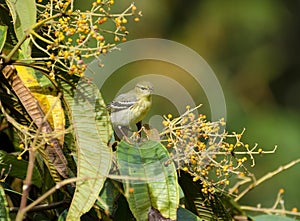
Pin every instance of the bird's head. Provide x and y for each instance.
(144, 88)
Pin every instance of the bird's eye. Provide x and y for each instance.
(142, 87)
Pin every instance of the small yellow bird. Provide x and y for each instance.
(130, 108)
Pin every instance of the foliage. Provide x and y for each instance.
(63, 166)
(156, 186)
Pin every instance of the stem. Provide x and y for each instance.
(40, 37)
(44, 196)
(26, 35)
(32, 155)
(270, 211)
(266, 177)
(63, 183)
(27, 183)
(15, 49)
(42, 207)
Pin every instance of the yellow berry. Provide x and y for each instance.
(52, 56)
(52, 75)
(100, 38)
(165, 123)
(131, 190)
(231, 147)
(196, 178)
(137, 19)
(19, 158)
(117, 38)
(169, 145)
(294, 210)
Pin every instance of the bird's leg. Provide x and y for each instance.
(139, 128)
(138, 134)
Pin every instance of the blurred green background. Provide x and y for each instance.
(253, 48)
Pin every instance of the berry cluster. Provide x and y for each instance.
(205, 150)
(72, 36)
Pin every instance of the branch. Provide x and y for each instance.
(42, 207)
(266, 177)
(63, 183)
(32, 155)
(270, 210)
(26, 35)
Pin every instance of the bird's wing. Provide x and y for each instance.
(123, 101)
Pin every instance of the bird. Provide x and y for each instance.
(130, 108)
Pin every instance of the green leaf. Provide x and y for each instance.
(153, 178)
(271, 218)
(18, 168)
(3, 32)
(4, 213)
(108, 196)
(8, 47)
(92, 131)
(68, 87)
(63, 215)
(6, 20)
(184, 214)
(24, 17)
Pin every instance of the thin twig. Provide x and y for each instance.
(42, 207)
(270, 210)
(69, 181)
(25, 36)
(266, 177)
(32, 155)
